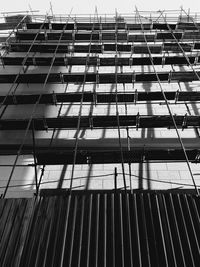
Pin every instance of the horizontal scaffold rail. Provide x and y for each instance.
(97, 61)
(101, 78)
(92, 122)
(64, 155)
(113, 26)
(106, 36)
(9, 26)
(108, 26)
(54, 157)
(101, 26)
(56, 98)
(101, 48)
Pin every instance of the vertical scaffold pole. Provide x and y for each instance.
(167, 104)
(80, 109)
(34, 110)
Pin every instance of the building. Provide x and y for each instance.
(100, 139)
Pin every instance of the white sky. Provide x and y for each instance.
(103, 6)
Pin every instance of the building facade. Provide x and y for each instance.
(99, 140)
(91, 98)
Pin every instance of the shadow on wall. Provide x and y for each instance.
(22, 175)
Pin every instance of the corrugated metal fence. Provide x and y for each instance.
(101, 229)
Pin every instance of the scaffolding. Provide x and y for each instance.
(120, 50)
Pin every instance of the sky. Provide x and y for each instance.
(103, 6)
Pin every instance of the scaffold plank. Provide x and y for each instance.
(66, 48)
(98, 61)
(112, 26)
(18, 99)
(106, 36)
(53, 157)
(60, 61)
(102, 78)
(70, 122)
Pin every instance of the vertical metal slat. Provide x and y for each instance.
(65, 227)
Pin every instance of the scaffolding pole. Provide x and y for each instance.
(80, 109)
(31, 117)
(168, 107)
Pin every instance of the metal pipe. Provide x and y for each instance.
(80, 109)
(31, 117)
(170, 112)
